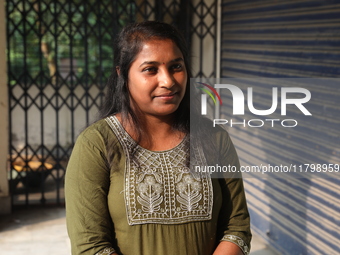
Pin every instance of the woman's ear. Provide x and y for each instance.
(118, 70)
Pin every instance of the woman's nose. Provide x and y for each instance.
(166, 79)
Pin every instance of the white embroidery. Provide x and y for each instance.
(238, 241)
(106, 251)
(159, 186)
(189, 193)
(150, 195)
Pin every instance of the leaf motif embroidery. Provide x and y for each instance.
(178, 178)
(188, 193)
(158, 177)
(140, 177)
(150, 195)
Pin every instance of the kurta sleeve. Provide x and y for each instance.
(234, 220)
(87, 183)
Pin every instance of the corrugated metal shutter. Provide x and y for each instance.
(285, 39)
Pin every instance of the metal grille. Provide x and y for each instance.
(288, 39)
(59, 58)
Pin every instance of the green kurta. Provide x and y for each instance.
(150, 203)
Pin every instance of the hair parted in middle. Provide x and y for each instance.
(128, 44)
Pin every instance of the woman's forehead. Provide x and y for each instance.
(159, 50)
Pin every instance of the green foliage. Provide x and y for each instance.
(77, 30)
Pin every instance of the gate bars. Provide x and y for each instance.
(59, 56)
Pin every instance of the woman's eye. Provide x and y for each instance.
(177, 67)
(150, 70)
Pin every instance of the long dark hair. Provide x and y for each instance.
(128, 44)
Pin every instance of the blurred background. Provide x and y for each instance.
(55, 58)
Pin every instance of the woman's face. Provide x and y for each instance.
(157, 78)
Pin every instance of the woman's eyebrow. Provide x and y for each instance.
(149, 63)
(177, 60)
(159, 63)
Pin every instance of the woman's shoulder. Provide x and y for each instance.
(210, 130)
(98, 132)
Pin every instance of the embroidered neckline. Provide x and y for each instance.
(115, 119)
(159, 187)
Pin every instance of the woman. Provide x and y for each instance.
(129, 188)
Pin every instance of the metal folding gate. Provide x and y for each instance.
(59, 58)
(288, 39)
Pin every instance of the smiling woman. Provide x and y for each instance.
(129, 186)
(157, 78)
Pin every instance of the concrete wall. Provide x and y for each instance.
(5, 204)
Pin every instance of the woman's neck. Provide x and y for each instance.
(157, 132)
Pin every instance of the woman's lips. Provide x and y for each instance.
(167, 96)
